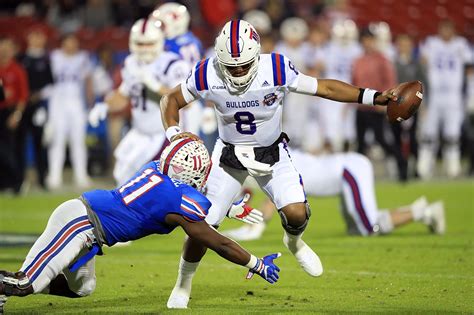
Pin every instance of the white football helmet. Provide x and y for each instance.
(146, 39)
(238, 45)
(294, 29)
(175, 18)
(260, 20)
(382, 32)
(345, 31)
(188, 161)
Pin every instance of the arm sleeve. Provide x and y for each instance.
(299, 82)
(194, 205)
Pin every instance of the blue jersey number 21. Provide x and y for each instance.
(245, 123)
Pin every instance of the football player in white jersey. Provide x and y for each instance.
(350, 176)
(67, 121)
(293, 32)
(445, 56)
(147, 74)
(248, 89)
(337, 119)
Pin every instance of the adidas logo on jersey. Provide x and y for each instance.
(265, 83)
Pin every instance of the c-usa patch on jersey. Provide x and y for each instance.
(269, 99)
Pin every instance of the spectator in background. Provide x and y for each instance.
(71, 69)
(65, 15)
(15, 85)
(97, 14)
(37, 65)
(374, 71)
(124, 12)
(408, 69)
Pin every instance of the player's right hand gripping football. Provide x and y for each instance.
(98, 113)
(266, 269)
(243, 212)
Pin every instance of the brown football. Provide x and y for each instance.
(409, 99)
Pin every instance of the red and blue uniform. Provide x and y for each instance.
(188, 46)
(139, 207)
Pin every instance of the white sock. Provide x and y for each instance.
(186, 273)
(385, 222)
(417, 212)
(293, 242)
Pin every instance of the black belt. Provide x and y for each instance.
(268, 155)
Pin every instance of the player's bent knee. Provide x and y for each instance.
(87, 288)
(84, 288)
(293, 220)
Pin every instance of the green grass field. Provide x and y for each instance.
(410, 271)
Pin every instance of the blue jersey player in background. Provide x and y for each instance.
(160, 197)
(179, 39)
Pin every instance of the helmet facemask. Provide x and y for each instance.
(240, 81)
(145, 52)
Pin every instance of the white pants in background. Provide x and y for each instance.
(445, 113)
(68, 123)
(349, 175)
(66, 237)
(135, 150)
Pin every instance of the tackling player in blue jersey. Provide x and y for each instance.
(160, 197)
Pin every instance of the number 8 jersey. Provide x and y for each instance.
(251, 118)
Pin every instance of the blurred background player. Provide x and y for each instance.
(155, 201)
(293, 34)
(16, 93)
(350, 176)
(383, 36)
(40, 79)
(445, 56)
(147, 74)
(338, 119)
(67, 115)
(180, 40)
(373, 69)
(408, 68)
